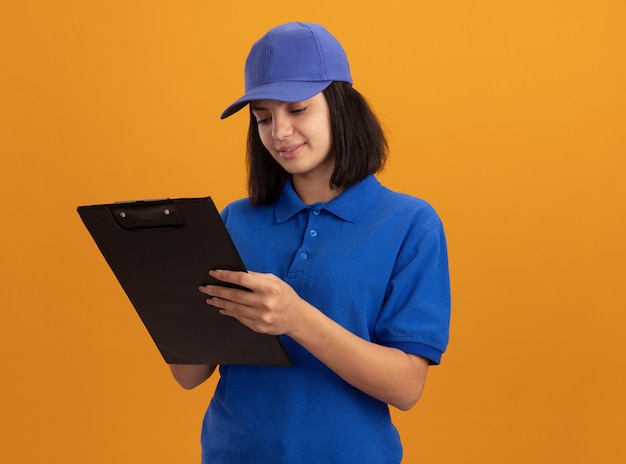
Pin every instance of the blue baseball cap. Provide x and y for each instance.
(291, 63)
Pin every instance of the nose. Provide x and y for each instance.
(281, 126)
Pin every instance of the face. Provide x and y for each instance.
(297, 135)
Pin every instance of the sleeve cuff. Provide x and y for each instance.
(425, 351)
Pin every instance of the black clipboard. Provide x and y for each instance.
(161, 252)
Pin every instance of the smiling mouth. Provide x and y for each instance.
(290, 148)
(290, 151)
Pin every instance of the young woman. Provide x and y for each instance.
(352, 276)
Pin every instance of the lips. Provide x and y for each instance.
(290, 151)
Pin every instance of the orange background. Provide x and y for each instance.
(509, 117)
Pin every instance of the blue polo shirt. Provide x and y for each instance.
(373, 260)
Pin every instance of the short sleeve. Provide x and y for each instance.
(415, 317)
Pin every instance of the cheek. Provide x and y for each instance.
(266, 139)
(323, 127)
(326, 135)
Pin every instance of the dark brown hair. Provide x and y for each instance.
(358, 145)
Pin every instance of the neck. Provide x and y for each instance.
(313, 191)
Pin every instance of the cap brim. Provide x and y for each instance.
(290, 91)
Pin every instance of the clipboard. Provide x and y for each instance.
(161, 251)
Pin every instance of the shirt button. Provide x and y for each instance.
(316, 212)
(313, 233)
(304, 256)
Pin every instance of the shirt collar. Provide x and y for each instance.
(348, 206)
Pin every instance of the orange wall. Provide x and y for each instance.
(509, 117)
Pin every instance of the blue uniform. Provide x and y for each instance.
(373, 260)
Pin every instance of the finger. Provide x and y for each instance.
(245, 314)
(263, 276)
(249, 317)
(238, 296)
(250, 279)
(251, 323)
(231, 277)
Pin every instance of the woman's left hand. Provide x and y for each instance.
(272, 307)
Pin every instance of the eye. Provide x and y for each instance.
(262, 118)
(299, 110)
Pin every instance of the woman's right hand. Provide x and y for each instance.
(191, 375)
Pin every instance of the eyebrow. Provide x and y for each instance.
(255, 107)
